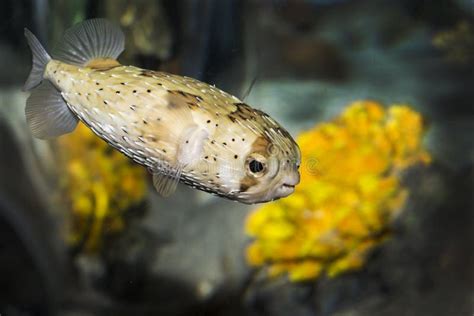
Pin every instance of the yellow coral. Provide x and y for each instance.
(99, 184)
(348, 195)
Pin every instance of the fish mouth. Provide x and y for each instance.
(288, 187)
(285, 190)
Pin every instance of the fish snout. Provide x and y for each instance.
(292, 180)
(288, 185)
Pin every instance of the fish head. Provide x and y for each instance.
(271, 170)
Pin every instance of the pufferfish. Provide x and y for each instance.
(181, 129)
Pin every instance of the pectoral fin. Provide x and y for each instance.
(189, 151)
(166, 181)
(191, 145)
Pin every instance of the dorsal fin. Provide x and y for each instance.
(90, 40)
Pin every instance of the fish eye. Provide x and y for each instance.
(256, 166)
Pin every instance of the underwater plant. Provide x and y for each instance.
(350, 192)
(99, 184)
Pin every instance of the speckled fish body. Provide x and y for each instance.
(208, 138)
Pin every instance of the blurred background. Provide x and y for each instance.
(379, 95)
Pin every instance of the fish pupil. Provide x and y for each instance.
(255, 166)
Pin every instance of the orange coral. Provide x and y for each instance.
(99, 183)
(348, 195)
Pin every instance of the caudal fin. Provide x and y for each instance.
(40, 59)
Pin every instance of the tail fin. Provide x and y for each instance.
(40, 59)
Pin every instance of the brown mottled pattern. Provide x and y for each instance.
(260, 146)
(246, 183)
(243, 112)
(178, 98)
(103, 64)
(148, 73)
